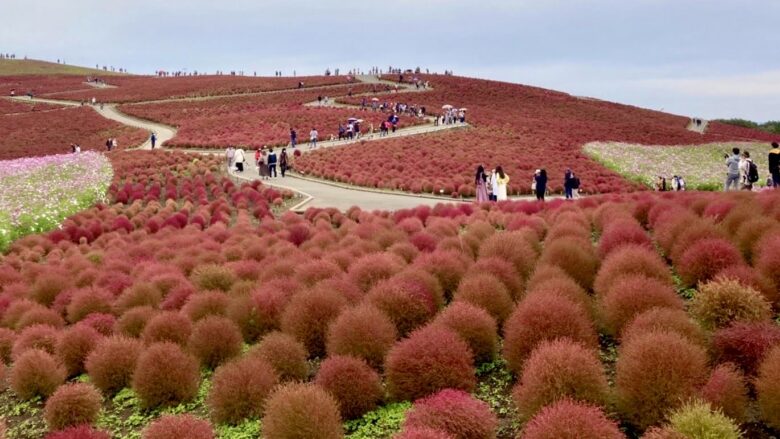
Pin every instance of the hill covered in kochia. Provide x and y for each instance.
(519, 127)
(9, 67)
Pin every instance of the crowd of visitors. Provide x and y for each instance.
(493, 187)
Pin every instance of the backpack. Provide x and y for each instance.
(752, 173)
(575, 183)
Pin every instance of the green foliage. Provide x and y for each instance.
(697, 421)
(23, 419)
(772, 126)
(378, 424)
(249, 429)
(494, 386)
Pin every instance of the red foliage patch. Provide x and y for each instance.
(475, 326)
(111, 364)
(165, 375)
(239, 389)
(308, 315)
(454, 412)
(35, 373)
(285, 354)
(727, 390)
(356, 387)
(301, 410)
(631, 295)
(567, 418)
(215, 340)
(72, 405)
(178, 426)
(706, 258)
(363, 332)
(745, 344)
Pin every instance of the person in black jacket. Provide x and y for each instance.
(540, 178)
(774, 164)
(570, 183)
(272, 163)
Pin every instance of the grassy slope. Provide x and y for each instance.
(15, 67)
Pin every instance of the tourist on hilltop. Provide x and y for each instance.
(271, 163)
(283, 161)
(774, 164)
(678, 183)
(239, 158)
(570, 183)
(732, 174)
(540, 183)
(313, 135)
(480, 180)
(748, 172)
(73, 148)
(153, 139)
(230, 154)
(660, 183)
(114, 143)
(502, 181)
(293, 137)
(108, 144)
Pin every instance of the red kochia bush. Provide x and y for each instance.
(622, 233)
(513, 247)
(632, 295)
(768, 388)
(285, 354)
(569, 419)
(406, 306)
(362, 332)
(133, 321)
(78, 432)
(356, 387)
(71, 405)
(165, 375)
(727, 390)
(178, 426)
(575, 256)
(239, 389)
(214, 340)
(539, 318)
(431, 359)
(656, 372)
(372, 268)
(502, 270)
(111, 364)
(486, 292)
(74, 345)
(308, 315)
(43, 337)
(745, 344)
(556, 370)
(213, 277)
(422, 433)
(564, 286)
(631, 259)
(171, 326)
(475, 326)
(139, 294)
(705, 258)
(208, 303)
(767, 258)
(7, 339)
(664, 319)
(301, 411)
(448, 267)
(35, 373)
(454, 412)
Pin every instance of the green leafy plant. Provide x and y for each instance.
(378, 424)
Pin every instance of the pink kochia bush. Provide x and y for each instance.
(165, 375)
(363, 332)
(455, 412)
(356, 387)
(570, 419)
(111, 364)
(35, 373)
(300, 410)
(727, 390)
(431, 359)
(239, 389)
(78, 432)
(178, 426)
(768, 388)
(72, 405)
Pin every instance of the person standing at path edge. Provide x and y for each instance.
(239, 159)
(732, 176)
(480, 180)
(502, 180)
(272, 163)
(313, 135)
(153, 139)
(774, 164)
(293, 137)
(540, 180)
(283, 161)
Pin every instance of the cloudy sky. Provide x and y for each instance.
(711, 58)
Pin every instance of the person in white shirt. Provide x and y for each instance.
(239, 159)
(493, 186)
(313, 135)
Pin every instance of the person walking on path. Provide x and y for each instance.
(239, 158)
(540, 180)
(732, 174)
(262, 165)
(293, 137)
(230, 154)
(480, 180)
(774, 164)
(502, 181)
(283, 161)
(272, 163)
(570, 183)
(153, 139)
(748, 173)
(313, 135)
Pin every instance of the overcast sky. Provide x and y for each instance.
(711, 58)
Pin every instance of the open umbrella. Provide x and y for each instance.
(352, 119)
(375, 99)
(446, 107)
(464, 109)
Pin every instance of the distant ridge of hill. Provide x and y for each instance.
(17, 67)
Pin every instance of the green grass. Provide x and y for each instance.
(19, 67)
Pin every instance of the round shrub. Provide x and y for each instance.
(111, 364)
(631, 259)
(208, 303)
(655, 373)
(133, 321)
(575, 256)
(214, 340)
(631, 295)
(431, 359)
(556, 370)
(475, 326)
(539, 318)
(74, 345)
(43, 337)
(664, 319)
(448, 267)
(422, 433)
(285, 354)
(727, 390)
(139, 294)
(486, 292)
(170, 326)
(513, 247)
(406, 307)
(705, 258)
(454, 412)
(745, 344)
(362, 332)
(768, 388)
(71, 405)
(662, 433)
(368, 270)
(35, 373)
(308, 315)
(165, 375)
(78, 432)
(317, 270)
(7, 339)
(301, 411)
(767, 258)
(750, 277)
(102, 323)
(239, 389)
(570, 419)
(356, 387)
(178, 426)
(502, 270)
(563, 286)
(213, 278)
(622, 233)
(696, 420)
(40, 315)
(718, 304)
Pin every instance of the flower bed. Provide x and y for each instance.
(38, 193)
(702, 166)
(15, 107)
